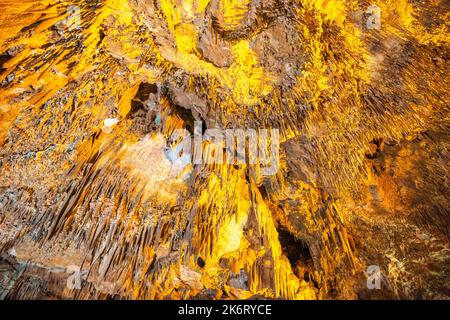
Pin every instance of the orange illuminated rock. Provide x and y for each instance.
(98, 187)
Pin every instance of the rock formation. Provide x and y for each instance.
(101, 197)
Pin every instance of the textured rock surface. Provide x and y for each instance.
(363, 121)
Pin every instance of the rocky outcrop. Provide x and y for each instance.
(101, 195)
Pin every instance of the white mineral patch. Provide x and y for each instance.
(108, 124)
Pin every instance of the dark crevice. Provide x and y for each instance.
(298, 253)
(378, 144)
(187, 117)
(200, 262)
(4, 57)
(145, 89)
(144, 110)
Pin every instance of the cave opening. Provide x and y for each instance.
(298, 253)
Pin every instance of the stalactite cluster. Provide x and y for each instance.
(94, 182)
